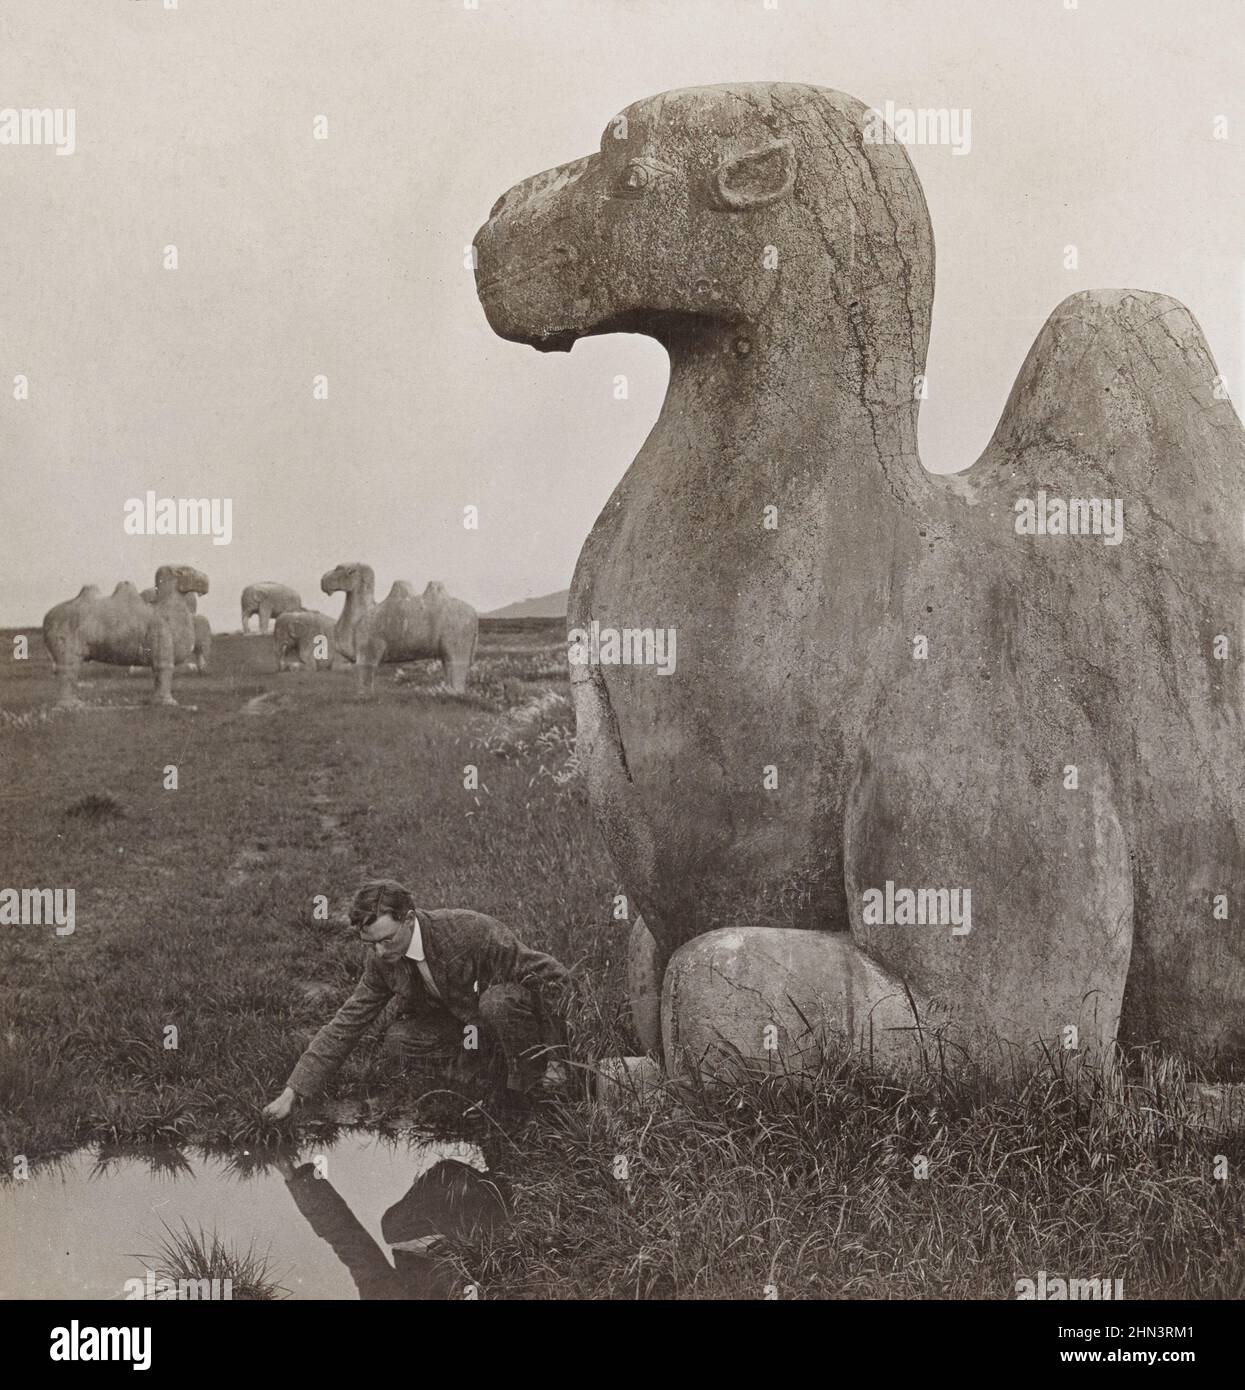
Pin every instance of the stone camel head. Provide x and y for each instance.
(348, 578)
(180, 579)
(733, 184)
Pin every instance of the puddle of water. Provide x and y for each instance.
(83, 1227)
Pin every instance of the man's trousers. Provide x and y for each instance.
(512, 1032)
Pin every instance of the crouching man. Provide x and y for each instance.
(446, 968)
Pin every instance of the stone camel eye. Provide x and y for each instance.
(635, 179)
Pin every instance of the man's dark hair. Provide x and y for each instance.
(378, 897)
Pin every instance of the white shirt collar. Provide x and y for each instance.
(415, 951)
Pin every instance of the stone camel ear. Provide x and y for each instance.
(755, 178)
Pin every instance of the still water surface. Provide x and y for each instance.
(81, 1228)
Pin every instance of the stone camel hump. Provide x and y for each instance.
(981, 730)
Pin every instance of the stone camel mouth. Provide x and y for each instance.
(495, 290)
(543, 340)
(558, 259)
(335, 582)
(554, 342)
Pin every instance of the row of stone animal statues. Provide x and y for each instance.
(160, 628)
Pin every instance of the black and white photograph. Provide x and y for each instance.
(576, 725)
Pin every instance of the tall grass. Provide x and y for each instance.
(849, 1184)
(194, 1255)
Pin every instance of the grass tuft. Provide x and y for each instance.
(96, 807)
(186, 1255)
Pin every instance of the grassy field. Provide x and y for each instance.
(194, 910)
(195, 905)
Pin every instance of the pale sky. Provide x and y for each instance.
(1093, 126)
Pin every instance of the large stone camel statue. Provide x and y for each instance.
(893, 686)
(405, 626)
(125, 630)
(267, 600)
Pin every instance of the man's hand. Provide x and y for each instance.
(281, 1107)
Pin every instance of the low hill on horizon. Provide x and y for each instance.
(547, 606)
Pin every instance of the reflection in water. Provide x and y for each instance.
(449, 1199)
(161, 1163)
(369, 1226)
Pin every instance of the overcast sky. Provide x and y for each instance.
(1093, 126)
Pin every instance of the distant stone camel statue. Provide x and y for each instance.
(294, 640)
(894, 686)
(406, 626)
(124, 630)
(266, 601)
(202, 653)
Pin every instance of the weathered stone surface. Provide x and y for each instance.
(644, 972)
(624, 1081)
(780, 996)
(267, 600)
(125, 629)
(809, 748)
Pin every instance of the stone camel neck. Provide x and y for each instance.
(360, 600)
(756, 397)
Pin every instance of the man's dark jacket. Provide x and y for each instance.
(465, 952)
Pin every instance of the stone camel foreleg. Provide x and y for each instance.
(66, 662)
(455, 667)
(162, 661)
(369, 653)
